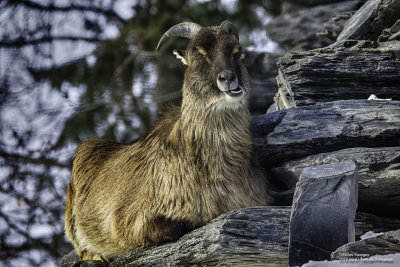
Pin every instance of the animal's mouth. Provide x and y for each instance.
(238, 91)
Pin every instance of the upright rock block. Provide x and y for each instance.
(323, 211)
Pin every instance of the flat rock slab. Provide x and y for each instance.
(366, 222)
(377, 244)
(323, 211)
(378, 175)
(259, 240)
(369, 21)
(350, 70)
(373, 261)
(325, 127)
(256, 236)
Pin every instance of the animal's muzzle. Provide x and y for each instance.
(227, 82)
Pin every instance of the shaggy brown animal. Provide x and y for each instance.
(194, 165)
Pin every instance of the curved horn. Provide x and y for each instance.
(184, 29)
(228, 27)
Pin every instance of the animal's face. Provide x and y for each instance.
(215, 75)
(214, 66)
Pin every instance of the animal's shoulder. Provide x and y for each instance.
(170, 115)
(95, 149)
(165, 124)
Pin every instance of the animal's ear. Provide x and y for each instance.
(180, 54)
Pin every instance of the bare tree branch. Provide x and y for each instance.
(19, 42)
(73, 7)
(45, 161)
(11, 250)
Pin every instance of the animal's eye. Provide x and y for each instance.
(201, 50)
(238, 52)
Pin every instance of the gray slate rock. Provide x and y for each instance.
(369, 21)
(391, 34)
(323, 211)
(378, 175)
(255, 236)
(247, 237)
(268, 230)
(325, 127)
(366, 222)
(312, 2)
(350, 70)
(373, 261)
(334, 27)
(379, 244)
(297, 31)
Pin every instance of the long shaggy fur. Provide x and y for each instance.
(194, 165)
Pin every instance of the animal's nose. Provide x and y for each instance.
(227, 80)
(226, 76)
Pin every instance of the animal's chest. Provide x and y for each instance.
(199, 190)
(215, 196)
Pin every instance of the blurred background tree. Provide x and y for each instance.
(74, 69)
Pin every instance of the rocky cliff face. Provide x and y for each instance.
(328, 149)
